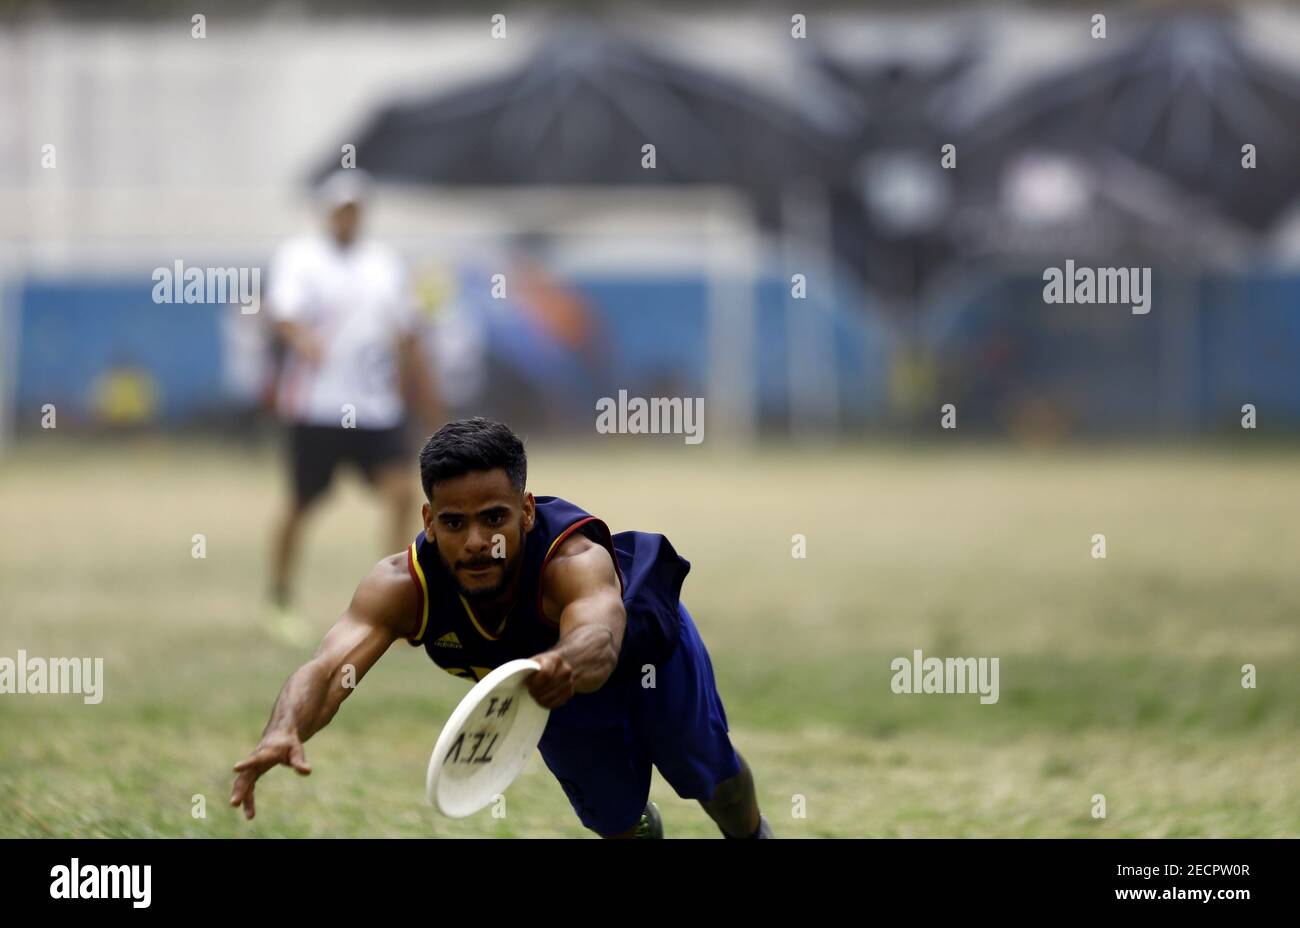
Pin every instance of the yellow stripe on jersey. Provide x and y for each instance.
(424, 588)
(469, 673)
(558, 538)
(473, 618)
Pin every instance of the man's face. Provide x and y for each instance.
(344, 222)
(478, 521)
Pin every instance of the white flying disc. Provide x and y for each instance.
(487, 741)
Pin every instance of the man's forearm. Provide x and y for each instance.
(307, 702)
(592, 653)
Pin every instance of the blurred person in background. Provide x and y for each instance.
(352, 376)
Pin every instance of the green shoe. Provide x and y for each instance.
(651, 824)
(287, 626)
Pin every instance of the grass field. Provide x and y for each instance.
(1119, 676)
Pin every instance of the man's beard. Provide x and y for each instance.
(490, 593)
(508, 574)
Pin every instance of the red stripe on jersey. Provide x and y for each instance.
(541, 574)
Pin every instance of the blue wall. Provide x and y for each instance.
(1237, 340)
(1205, 348)
(71, 332)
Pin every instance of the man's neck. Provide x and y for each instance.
(493, 612)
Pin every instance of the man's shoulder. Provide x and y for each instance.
(392, 568)
(573, 544)
(578, 564)
(571, 530)
(388, 593)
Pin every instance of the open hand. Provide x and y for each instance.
(271, 752)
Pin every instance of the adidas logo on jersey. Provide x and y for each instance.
(448, 640)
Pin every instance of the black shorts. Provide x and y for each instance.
(316, 450)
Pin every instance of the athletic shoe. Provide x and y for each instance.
(289, 627)
(651, 824)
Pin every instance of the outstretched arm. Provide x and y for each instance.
(381, 611)
(581, 588)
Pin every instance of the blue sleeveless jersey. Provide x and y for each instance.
(650, 573)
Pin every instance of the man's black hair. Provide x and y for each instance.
(471, 445)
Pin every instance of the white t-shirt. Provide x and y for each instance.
(357, 302)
